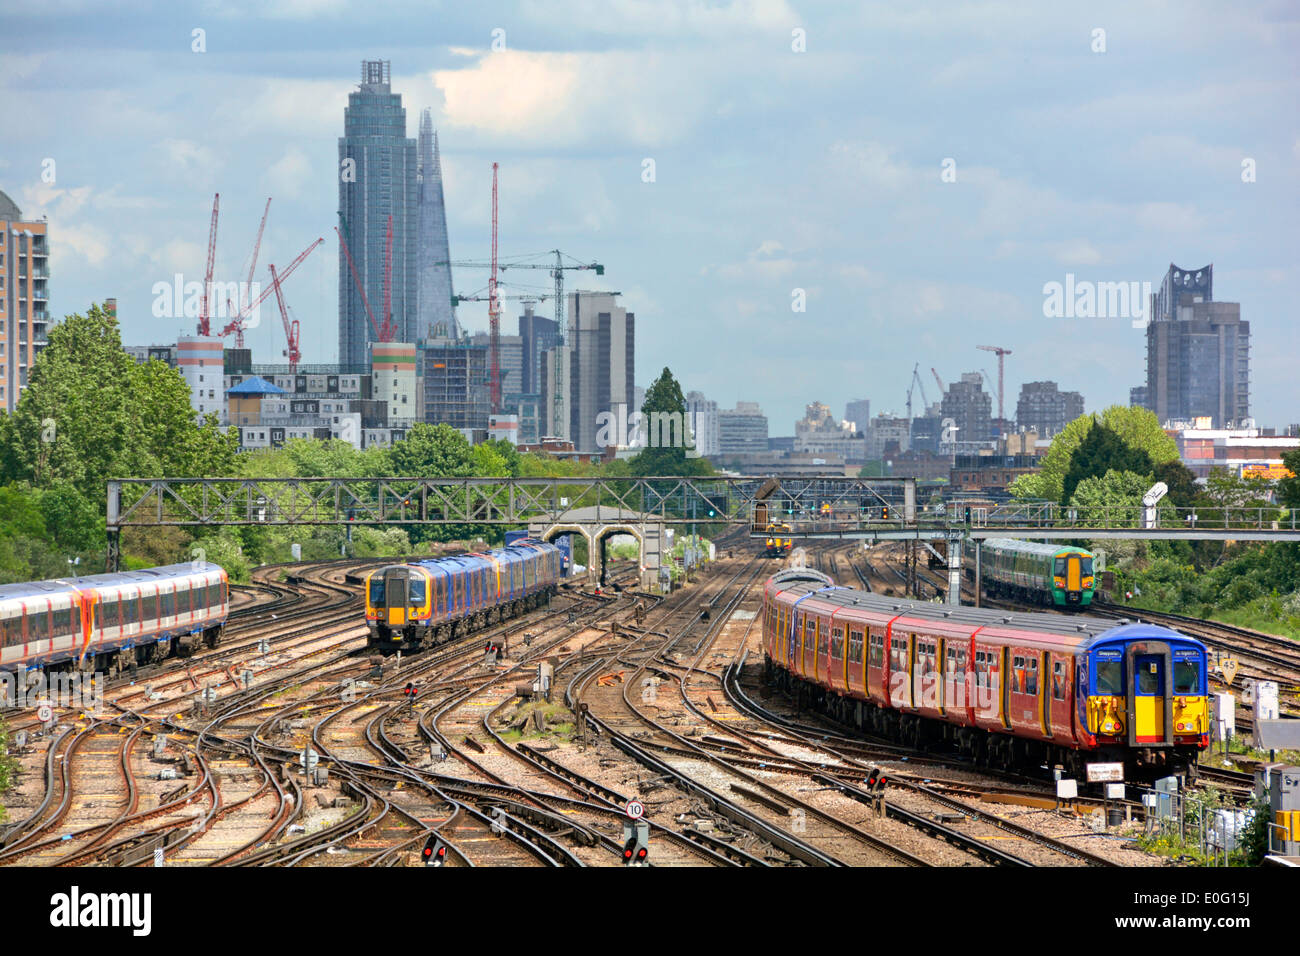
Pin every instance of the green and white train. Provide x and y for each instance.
(1046, 574)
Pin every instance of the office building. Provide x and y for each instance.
(378, 179)
(24, 298)
(703, 414)
(599, 363)
(1045, 409)
(970, 408)
(1198, 352)
(858, 412)
(537, 334)
(742, 430)
(456, 384)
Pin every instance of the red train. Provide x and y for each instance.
(1006, 689)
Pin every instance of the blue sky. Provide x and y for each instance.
(775, 170)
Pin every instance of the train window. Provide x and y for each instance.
(1087, 566)
(36, 624)
(1148, 679)
(855, 647)
(1058, 680)
(167, 604)
(1031, 678)
(837, 643)
(1059, 567)
(1187, 677)
(1110, 678)
(417, 592)
(9, 634)
(377, 590)
(1018, 675)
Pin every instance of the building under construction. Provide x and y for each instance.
(456, 383)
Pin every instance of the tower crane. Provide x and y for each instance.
(204, 327)
(557, 270)
(387, 332)
(248, 283)
(1001, 354)
(915, 383)
(238, 320)
(942, 387)
(290, 327)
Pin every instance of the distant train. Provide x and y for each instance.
(1046, 574)
(102, 619)
(778, 542)
(409, 606)
(1010, 690)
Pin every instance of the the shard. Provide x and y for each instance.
(436, 315)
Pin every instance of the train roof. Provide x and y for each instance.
(1033, 547)
(819, 589)
(91, 581)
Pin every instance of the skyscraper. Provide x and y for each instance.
(970, 409)
(1045, 409)
(378, 178)
(599, 364)
(1198, 351)
(24, 298)
(437, 317)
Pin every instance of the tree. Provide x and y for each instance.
(432, 451)
(1288, 489)
(665, 424)
(1136, 427)
(1102, 451)
(1181, 482)
(1117, 495)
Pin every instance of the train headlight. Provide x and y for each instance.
(1060, 582)
(1087, 582)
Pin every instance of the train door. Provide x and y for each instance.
(1148, 717)
(1045, 696)
(1073, 573)
(395, 595)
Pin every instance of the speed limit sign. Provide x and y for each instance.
(44, 713)
(635, 809)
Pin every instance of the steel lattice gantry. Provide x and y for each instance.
(188, 502)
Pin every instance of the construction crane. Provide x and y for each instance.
(388, 331)
(207, 275)
(915, 383)
(248, 283)
(942, 387)
(238, 320)
(290, 327)
(557, 271)
(1001, 354)
(494, 313)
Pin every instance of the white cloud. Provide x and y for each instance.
(288, 173)
(191, 160)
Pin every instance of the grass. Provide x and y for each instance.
(559, 722)
(8, 766)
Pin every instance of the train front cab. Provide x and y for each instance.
(397, 597)
(1146, 690)
(1072, 579)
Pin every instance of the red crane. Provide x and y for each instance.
(248, 283)
(290, 327)
(494, 311)
(238, 320)
(388, 331)
(212, 258)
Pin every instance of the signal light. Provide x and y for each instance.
(629, 850)
(435, 851)
(641, 854)
(884, 512)
(409, 691)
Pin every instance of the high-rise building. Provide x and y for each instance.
(537, 334)
(455, 384)
(437, 315)
(1137, 397)
(600, 362)
(703, 414)
(24, 298)
(1198, 352)
(378, 178)
(510, 352)
(858, 412)
(742, 430)
(970, 409)
(1045, 409)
